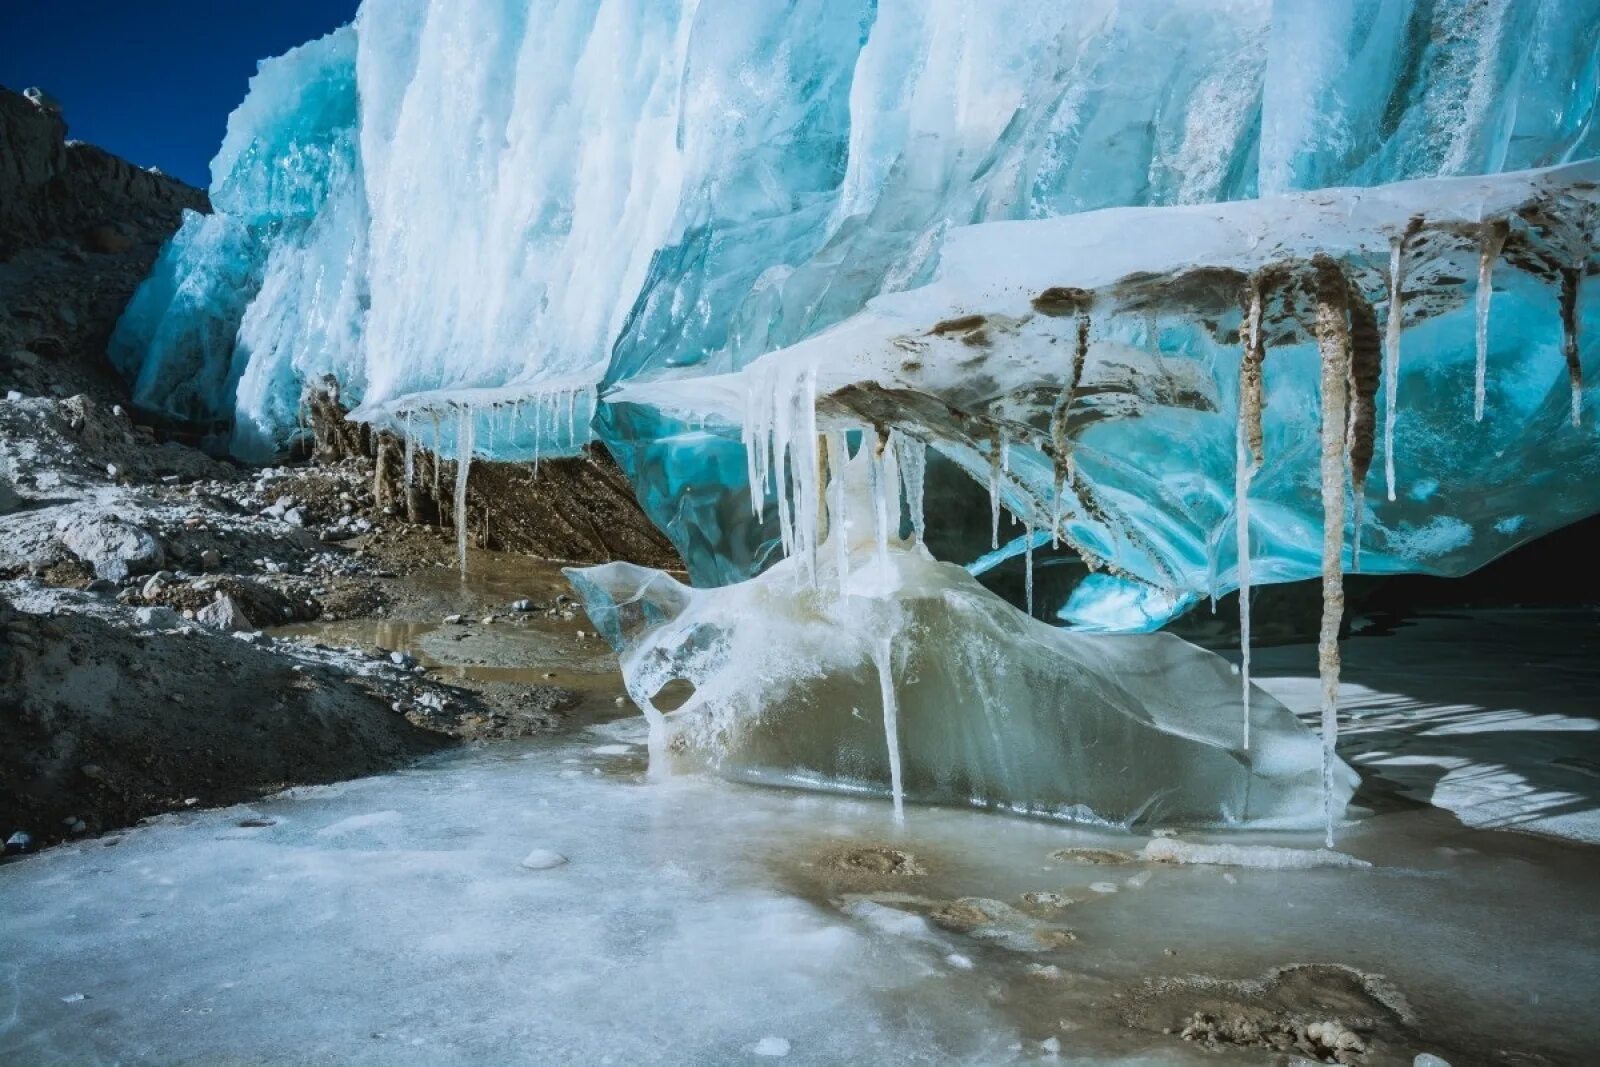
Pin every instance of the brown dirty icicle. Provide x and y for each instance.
(1333, 344)
(1060, 442)
(1366, 361)
(1570, 277)
(1251, 392)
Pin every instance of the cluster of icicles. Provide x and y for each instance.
(552, 415)
(790, 457)
(1346, 332)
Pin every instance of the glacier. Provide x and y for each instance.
(1205, 295)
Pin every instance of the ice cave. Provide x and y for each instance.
(893, 531)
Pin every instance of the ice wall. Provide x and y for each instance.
(501, 206)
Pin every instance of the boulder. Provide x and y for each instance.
(224, 614)
(113, 547)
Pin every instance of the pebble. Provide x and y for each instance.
(21, 841)
(522, 606)
(455, 620)
(542, 859)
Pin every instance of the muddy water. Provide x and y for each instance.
(547, 646)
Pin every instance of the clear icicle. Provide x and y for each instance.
(879, 482)
(1243, 471)
(538, 403)
(1391, 355)
(411, 452)
(883, 658)
(1494, 239)
(913, 456)
(838, 529)
(1333, 342)
(994, 491)
(463, 469)
(1005, 452)
(1027, 573)
(438, 445)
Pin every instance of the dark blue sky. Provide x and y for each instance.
(153, 80)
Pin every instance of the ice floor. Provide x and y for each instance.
(391, 920)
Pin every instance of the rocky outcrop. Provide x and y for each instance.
(52, 188)
(79, 229)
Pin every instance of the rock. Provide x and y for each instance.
(9, 500)
(114, 548)
(12, 394)
(101, 587)
(1428, 1059)
(21, 841)
(210, 559)
(522, 606)
(455, 620)
(159, 618)
(154, 584)
(542, 859)
(294, 517)
(42, 100)
(224, 614)
(400, 659)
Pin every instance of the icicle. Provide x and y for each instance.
(994, 490)
(1248, 447)
(883, 658)
(1570, 276)
(878, 474)
(538, 404)
(913, 456)
(438, 445)
(1243, 470)
(838, 527)
(1362, 374)
(572, 419)
(463, 469)
(1027, 573)
(782, 433)
(803, 465)
(411, 451)
(1494, 239)
(1391, 351)
(494, 410)
(1333, 342)
(1005, 452)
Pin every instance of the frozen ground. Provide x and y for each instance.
(697, 921)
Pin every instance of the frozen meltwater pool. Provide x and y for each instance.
(393, 920)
